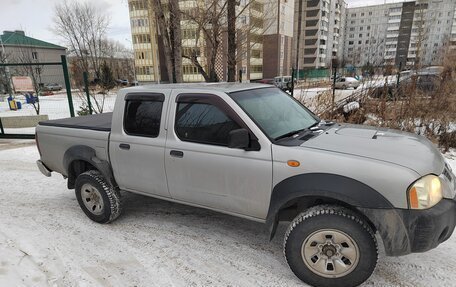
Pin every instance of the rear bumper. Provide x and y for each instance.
(43, 168)
(407, 231)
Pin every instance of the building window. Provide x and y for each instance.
(352, 29)
(189, 34)
(35, 55)
(350, 43)
(353, 15)
(141, 38)
(256, 69)
(189, 70)
(397, 9)
(138, 5)
(255, 54)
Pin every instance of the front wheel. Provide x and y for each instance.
(330, 246)
(97, 198)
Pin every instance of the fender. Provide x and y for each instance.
(87, 154)
(322, 186)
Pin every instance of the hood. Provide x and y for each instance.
(405, 149)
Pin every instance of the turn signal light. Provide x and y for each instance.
(413, 198)
(293, 163)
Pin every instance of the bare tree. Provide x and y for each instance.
(208, 19)
(24, 55)
(213, 21)
(231, 18)
(83, 27)
(169, 28)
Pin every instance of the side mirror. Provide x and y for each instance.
(239, 138)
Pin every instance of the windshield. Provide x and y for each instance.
(275, 112)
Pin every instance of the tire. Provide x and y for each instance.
(349, 262)
(102, 201)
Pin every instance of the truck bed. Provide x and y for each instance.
(98, 122)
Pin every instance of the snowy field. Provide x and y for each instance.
(54, 106)
(46, 240)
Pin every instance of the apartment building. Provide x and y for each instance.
(406, 33)
(277, 39)
(17, 47)
(318, 33)
(144, 38)
(148, 45)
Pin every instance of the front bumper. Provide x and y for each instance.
(407, 231)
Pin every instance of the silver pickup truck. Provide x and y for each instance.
(252, 151)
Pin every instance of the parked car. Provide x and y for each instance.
(284, 83)
(52, 87)
(122, 82)
(265, 81)
(252, 151)
(338, 75)
(346, 83)
(425, 82)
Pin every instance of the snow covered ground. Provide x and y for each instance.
(46, 240)
(54, 106)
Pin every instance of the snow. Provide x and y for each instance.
(46, 240)
(55, 106)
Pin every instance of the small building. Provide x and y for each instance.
(16, 47)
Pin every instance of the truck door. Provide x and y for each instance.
(137, 144)
(202, 169)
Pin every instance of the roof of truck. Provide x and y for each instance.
(221, 87)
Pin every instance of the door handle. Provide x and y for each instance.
(124, 146)
(177, 153)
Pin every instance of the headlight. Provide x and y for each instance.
(425, 192)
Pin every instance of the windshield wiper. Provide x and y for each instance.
(297, 131)
(289, 134)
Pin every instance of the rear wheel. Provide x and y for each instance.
(330, 246)
(97, 198)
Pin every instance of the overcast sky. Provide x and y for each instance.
(35, 17)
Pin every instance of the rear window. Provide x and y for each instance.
(142, 118)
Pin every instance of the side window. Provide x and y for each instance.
(142, 118)
(203, 123)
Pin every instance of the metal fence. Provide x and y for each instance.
(32, 92)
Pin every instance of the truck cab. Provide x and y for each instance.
(252, 151)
